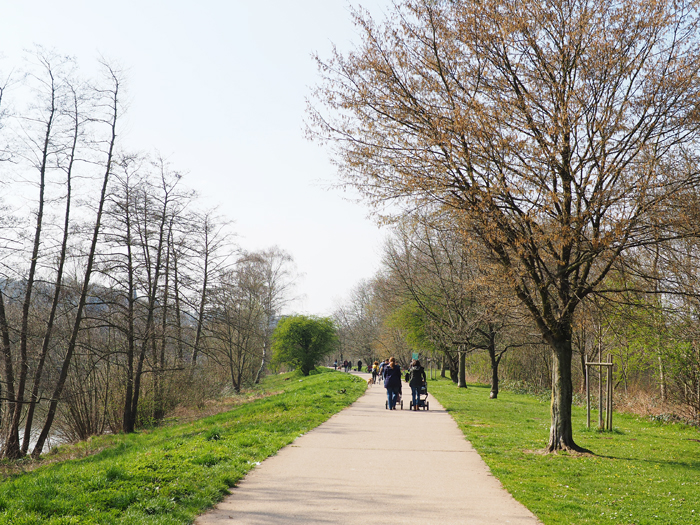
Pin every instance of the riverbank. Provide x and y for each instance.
(170, 475)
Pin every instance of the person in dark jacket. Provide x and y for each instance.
(392, 382)
(359, 365)
(416, 380)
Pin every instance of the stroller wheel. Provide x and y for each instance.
(402, 404)
(427, 405)
(386, 405)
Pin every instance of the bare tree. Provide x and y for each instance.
(237, 324)
(277, 274)
(552, 130)
(46, 138)
(213, 257)
(110, 103)
(74, 112)
(359, 322)
(245, 307)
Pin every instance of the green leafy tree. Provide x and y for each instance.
(302, 341)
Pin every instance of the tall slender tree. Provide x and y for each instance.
(110, 100)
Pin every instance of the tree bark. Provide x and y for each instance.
(263, 361)
(495, 361)
(203, 297)
(8, 369)
(662, 379)
(561, 434)
(494, 378)
(454, 374)
(462, 374)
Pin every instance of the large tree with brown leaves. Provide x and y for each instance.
(554, 130)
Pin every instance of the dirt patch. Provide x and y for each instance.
(212, 407)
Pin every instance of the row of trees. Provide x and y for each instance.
(560, 137)
(440, 295)
(119, 295)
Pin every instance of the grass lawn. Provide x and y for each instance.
(170, 475)
(641, 473)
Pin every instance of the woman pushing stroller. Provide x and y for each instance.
(416, 380)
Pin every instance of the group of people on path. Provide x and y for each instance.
(390, 371)
(347, 365)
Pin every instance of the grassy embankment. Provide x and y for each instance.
(642, 473)
(170, 475)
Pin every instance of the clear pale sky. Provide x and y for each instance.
(219, 88)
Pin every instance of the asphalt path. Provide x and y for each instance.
(367, 464)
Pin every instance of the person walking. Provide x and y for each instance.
(359, 365)
(375, 371)
(382, 368)
(392, 382)
(416, 379)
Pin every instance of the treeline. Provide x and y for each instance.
(120, 297)
(439, 294)
(566, 157)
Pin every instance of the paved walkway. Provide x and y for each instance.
(369, 465)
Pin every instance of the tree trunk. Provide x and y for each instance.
(176, 293)
(443, 367)
(261, 370)
(582, 356)
(203, 298)
(662, 379)
(495, 361)
(462, 376)
(139, 373)
(453, 374)
(494, 376)
(9, 378)
(561, 434)
(127, 419)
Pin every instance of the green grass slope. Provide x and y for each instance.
(170, 475)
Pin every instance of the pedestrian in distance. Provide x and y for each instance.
(375, 371)
(392, 382)
(416, 379)
(359, 365)
(335, 365)
(386, 364)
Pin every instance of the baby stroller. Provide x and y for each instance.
(422, 401)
